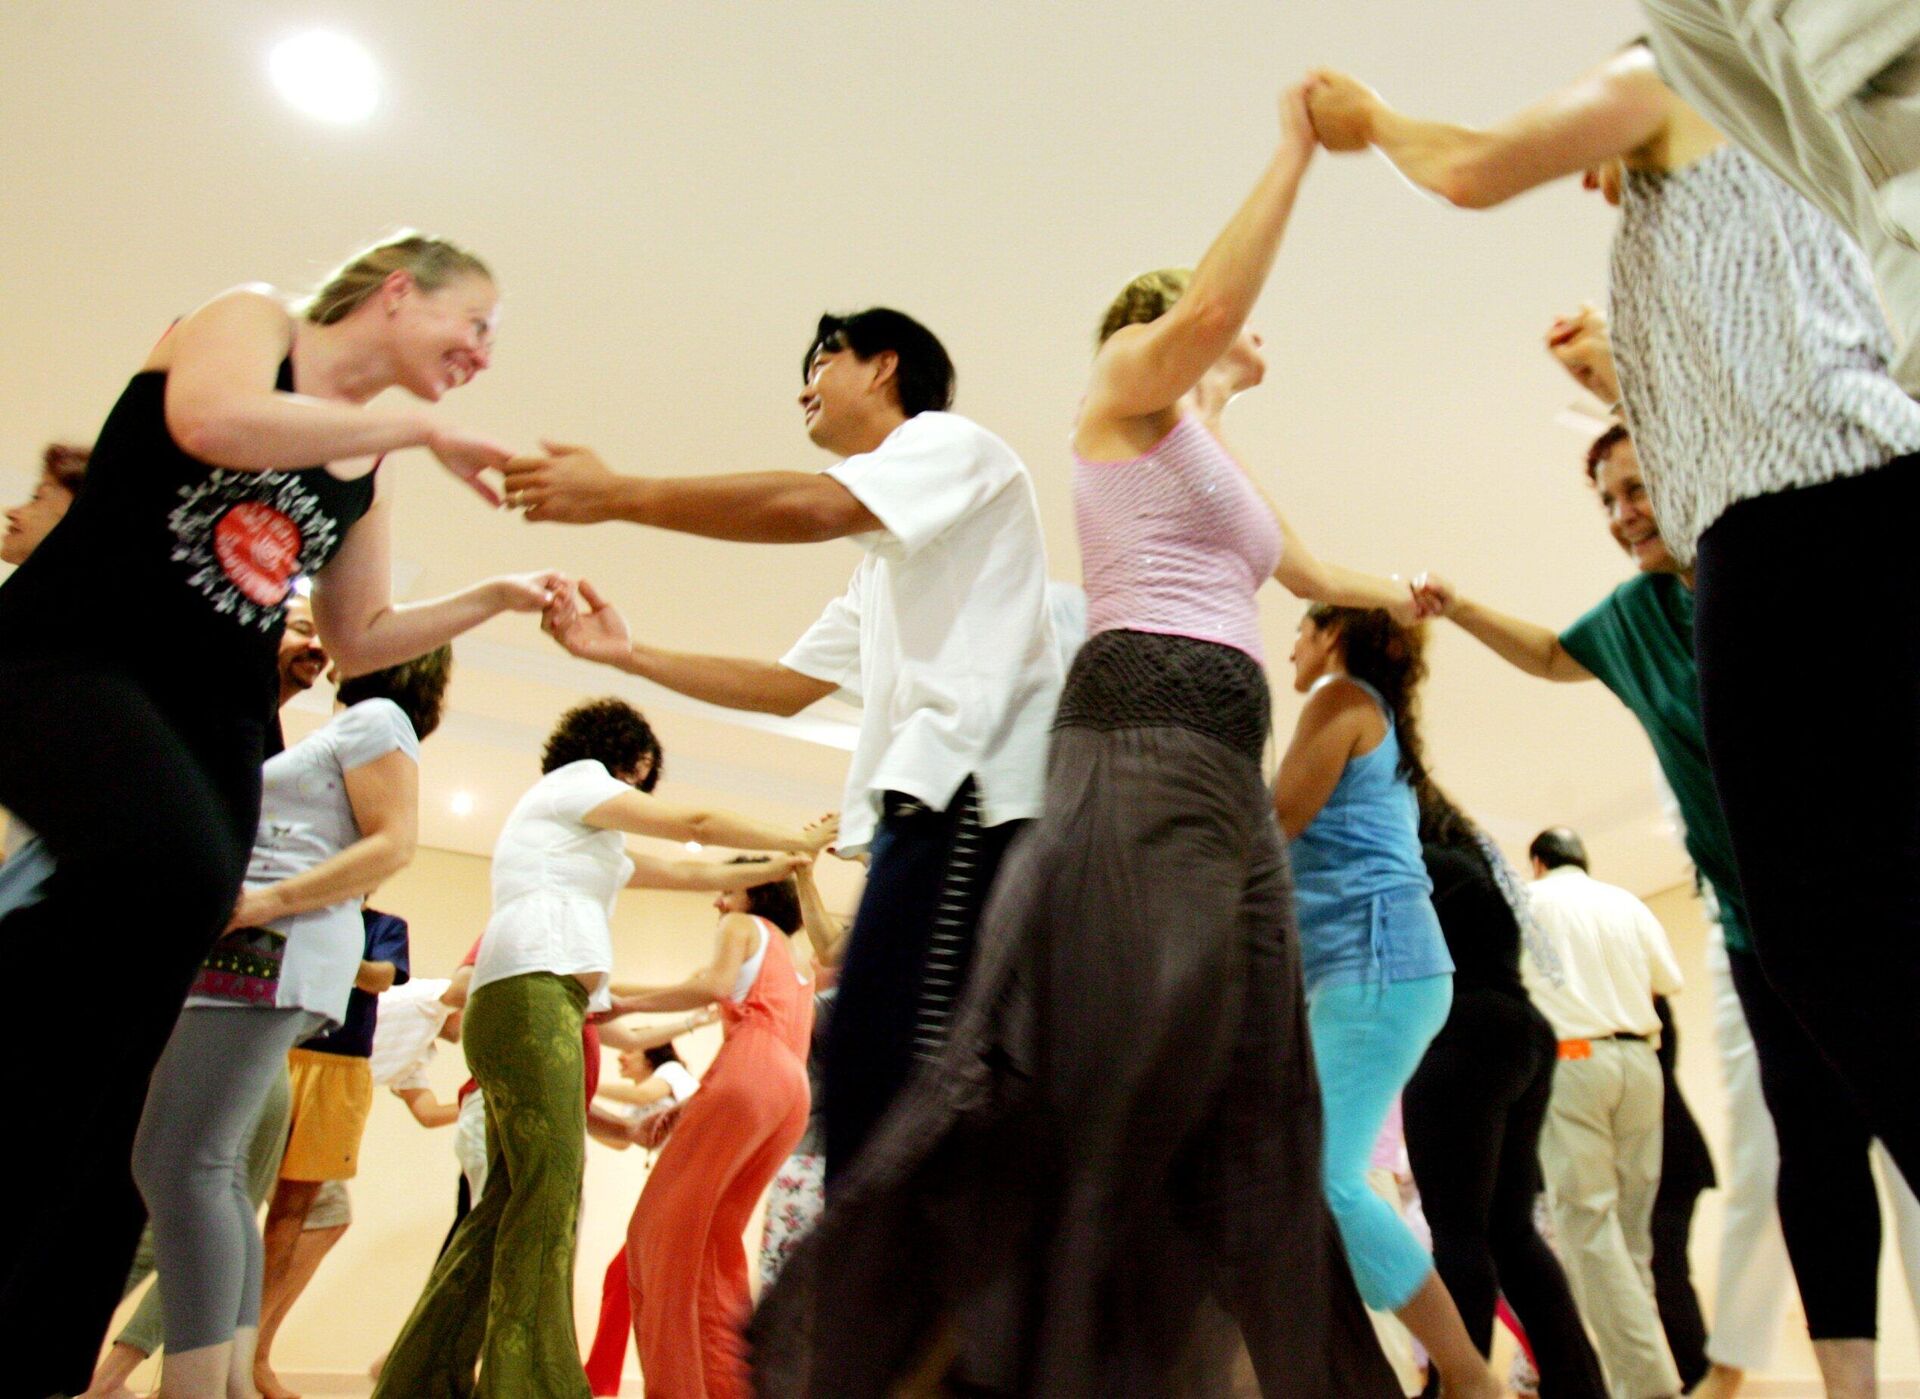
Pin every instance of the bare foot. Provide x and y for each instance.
(269, 1384)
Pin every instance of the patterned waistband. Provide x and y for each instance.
(1130, 679)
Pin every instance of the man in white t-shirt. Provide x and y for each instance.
(943, 636)
(1600, 1150)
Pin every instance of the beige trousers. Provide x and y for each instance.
(1600, 1152)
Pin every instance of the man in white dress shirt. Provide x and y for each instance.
(1600, 1150)
(943, 636)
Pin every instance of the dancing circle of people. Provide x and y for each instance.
(1135, 1056)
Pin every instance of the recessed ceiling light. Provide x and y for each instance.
(695, 846)
(462, 803)
(326, 75)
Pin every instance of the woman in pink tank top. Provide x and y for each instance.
(686, 1260)
(1111, 1180)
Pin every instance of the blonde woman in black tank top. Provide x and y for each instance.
(137, 687)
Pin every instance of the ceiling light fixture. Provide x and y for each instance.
(462, 803)
(326, 75)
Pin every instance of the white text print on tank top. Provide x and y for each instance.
(246, 536)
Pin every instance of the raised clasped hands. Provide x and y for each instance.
(563, 483)
(1342, 110)
(532, 592)
(1434, 594)
(1585, 350)
(588, 625)
(1296, 126)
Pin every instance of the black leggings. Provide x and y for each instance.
(1473, 1111)
(1829, 1211)
(150, 813)
(1807, 629)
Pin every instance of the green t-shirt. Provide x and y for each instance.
(1638, 642)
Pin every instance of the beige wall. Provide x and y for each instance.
(403, 1199)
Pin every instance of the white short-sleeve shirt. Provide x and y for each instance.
(306, 818)
(1614, 954)
(406, 1034)
(554, 882)
(943, 634)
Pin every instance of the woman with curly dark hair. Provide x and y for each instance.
(543, 967)
(1378, 975)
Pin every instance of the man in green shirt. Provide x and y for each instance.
(1638, 642)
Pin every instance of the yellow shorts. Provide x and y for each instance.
(332, 1096)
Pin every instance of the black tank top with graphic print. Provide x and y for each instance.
(174, 571)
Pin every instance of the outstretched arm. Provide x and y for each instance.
(716, 876)
(1524, 645)
(570, 484)
(826, 933)
(1306, 576)
(1611, 112)
(738, 934)
(594, 630)
(1144, 369)
(364, 629)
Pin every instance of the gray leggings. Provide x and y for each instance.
(189, 1162)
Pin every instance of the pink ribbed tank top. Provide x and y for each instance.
(1176, 541)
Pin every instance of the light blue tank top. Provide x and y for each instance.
(1360, 885)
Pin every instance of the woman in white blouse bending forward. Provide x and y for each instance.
(502, 1293)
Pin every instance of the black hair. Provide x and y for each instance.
(663, 1054)
(1442, 822)
(418, 686)
(924, 378)
(778, 901)
(1557, 846)
(610, 730)
(1393, 659)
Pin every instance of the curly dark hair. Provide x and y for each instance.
(1392, 659)
(418, 686)
(610, 730)
(777, 901)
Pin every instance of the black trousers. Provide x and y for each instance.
(149, 809)
(1473, 1112)
(907, 959)
(1829, 1209)
(1807, 630)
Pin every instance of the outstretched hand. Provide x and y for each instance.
(597, 633)
(467, 457)
(1342, 109)
(1585, 350)
(563, 483)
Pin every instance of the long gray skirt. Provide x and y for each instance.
(1110, 1183)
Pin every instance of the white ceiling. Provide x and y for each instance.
(671, 193)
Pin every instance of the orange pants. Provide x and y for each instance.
(686, 1256)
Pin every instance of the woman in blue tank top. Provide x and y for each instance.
(1378, 975)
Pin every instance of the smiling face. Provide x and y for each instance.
(634, 1066)
(302, 657)
(1629, 509)
(29, 522)
(841, 394)
(442, 338)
